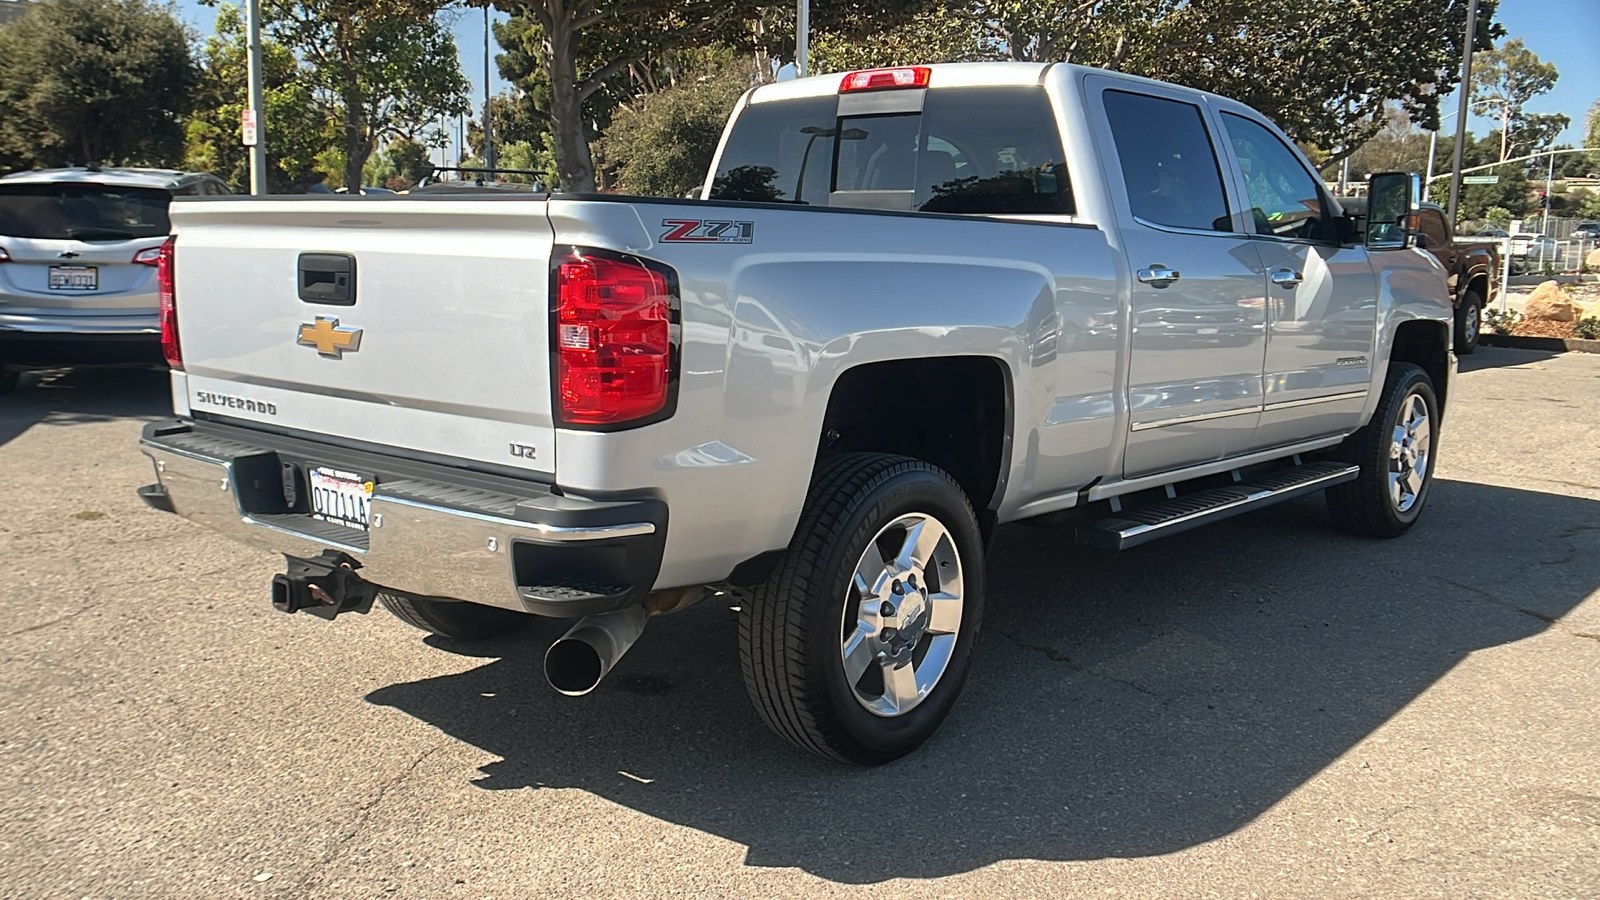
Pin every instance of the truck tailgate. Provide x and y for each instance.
(443, 348)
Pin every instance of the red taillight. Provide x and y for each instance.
(613, 340)
(169, 306)
(886, 79)
(150, 256)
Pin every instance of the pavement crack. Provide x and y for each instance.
(1556, 621)
(56, 621)
(363, 814)
(1057, 656)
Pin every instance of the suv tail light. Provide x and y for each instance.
(886, 79)
(615, 323)
(169, 306)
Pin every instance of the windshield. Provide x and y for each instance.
(82, 212)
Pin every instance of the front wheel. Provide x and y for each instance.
(1469, 323)
(1396, 454)
(858, 645)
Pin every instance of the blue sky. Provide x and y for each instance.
(1565, 32)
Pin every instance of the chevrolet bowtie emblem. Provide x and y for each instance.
(330, 339)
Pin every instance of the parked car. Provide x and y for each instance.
(1588, 230)
(1529, 249)
(78, 256)
(813, 393)
(1473, 268)
(1491, 231)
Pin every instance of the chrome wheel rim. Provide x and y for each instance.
(1469, 328)
(1410, 453)
(901, 615)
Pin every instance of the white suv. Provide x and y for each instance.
(78, 253)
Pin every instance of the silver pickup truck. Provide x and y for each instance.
(910, 305)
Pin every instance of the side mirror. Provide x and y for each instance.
(1393, 201)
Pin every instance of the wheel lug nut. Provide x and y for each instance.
(898, 588)
(886, 610)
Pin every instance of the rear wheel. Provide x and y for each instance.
(1396, 454)
(1469, 322)
(858, 645)
(454, 619)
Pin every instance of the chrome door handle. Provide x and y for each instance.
(1158, 275)
(1286, 278)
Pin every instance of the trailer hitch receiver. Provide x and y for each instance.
(324, 586)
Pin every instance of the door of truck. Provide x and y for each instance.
(1198, 289)
(1322, 305)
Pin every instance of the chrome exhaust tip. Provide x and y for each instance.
(581, 659)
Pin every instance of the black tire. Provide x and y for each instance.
(1366, 506)
(453, 619)
(8, 380)
(790, 632)
(1469, 323)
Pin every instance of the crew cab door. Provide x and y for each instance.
(1322, 308)
(1198, 288)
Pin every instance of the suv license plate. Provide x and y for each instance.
(74, 278)
(343, 498)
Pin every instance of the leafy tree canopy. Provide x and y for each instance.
(661, 145)
(295, 123)
(1504, 79)
(94, 81)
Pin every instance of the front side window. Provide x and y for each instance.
(1285, 200)
(82, 212)
(1168, 163)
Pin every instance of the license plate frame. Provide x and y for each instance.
(74, 278)
(340, 497)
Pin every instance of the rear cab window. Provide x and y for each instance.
(82, 212)
(981, 150)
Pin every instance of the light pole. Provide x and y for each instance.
(256, 136)
(1433, 142)
(1461, 108)
(802, 39)
(488, 134)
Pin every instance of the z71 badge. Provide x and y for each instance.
(707, 231)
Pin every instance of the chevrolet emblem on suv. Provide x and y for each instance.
(329, 337)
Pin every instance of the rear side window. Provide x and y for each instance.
(1167, 161)
(1433, 227)
(82, 212)
(971, 150)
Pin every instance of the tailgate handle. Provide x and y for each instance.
(327, 278)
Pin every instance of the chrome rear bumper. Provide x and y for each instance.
(524, 548)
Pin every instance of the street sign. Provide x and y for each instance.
(247, 127)
(1480, 179)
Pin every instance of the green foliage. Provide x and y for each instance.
(661, 145)
(1587, 328)
(1500, 322)
(1504, 79)
(1499, 215)
(296, 123)
(399, 167)
(530, 157)
(94, 81)
(387, 69)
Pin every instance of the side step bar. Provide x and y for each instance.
(1133, 527)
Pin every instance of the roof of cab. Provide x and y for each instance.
(168, 179)
(944, 75)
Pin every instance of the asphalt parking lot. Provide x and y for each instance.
(1266, 708)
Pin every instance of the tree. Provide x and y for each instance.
(387, 67)
(94, 81)
(1398, 147)
(1327, 71)
(661, 145)
(582, 45)
(296, 122)
(1503, 81)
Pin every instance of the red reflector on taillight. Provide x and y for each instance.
(169, 306)
(886, 79)
(613, 339)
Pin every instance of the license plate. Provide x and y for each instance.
(343, 498)
(74, 278)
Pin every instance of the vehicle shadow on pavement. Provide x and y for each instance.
(89, 394)
(1486, 357)
(1120, 705)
